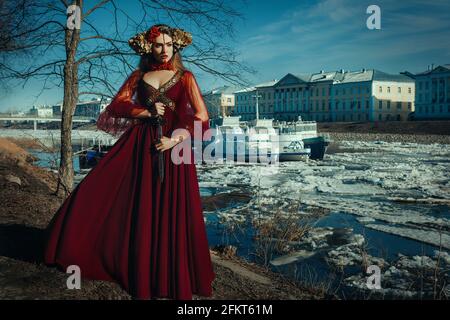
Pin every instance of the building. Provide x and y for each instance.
(41, 111)
(220, 101)
(372, 95)
(320, 91)
(392, 97)
(351, 96)
(363, 95)
(248, 98)
(292, 96)
(432, 93)
(89, 109)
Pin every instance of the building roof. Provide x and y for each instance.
(383, 76)
(305, 77)
(221, 90)
(323, 76)
(336, 77)
(443, 67)
(260, 85)
(372, 75)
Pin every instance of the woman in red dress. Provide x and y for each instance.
(137, 217)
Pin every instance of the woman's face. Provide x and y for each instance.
(162, 48)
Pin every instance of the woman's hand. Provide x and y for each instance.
(166, 143)
(157, 108)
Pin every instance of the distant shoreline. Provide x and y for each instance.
(390, 137)
(423, 132)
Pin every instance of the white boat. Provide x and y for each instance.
(256, 141)
(306, 132)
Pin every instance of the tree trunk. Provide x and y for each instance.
(66, 173)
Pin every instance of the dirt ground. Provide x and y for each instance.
(28, 203)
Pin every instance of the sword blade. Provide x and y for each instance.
(160, 154)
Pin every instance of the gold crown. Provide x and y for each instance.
(141, 43)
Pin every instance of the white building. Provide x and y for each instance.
(41, 111)
(91, 108)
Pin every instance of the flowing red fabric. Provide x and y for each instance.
(121, 223)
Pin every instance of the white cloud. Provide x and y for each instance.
(334, 32)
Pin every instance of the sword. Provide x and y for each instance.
(160, 121)
(159, 132)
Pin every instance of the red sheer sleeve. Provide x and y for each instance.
(120, 113)
(194, 112)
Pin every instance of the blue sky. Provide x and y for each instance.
(277, 37)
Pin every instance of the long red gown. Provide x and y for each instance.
(120, 223)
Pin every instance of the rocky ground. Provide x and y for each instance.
(28, 203)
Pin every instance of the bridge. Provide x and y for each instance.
(52, 138)
(44, 119)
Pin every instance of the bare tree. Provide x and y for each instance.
(36, 41)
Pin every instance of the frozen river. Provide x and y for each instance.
(366, 203)
(392, 197)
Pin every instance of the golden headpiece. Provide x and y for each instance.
(142, 42)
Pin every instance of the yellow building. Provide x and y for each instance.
(220, 102)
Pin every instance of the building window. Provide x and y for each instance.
(399, 105)
(409, 89)
(409, 105)
(399, 89)
(380, 104)
(389, 89)
(388, 104)
(380, 89)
